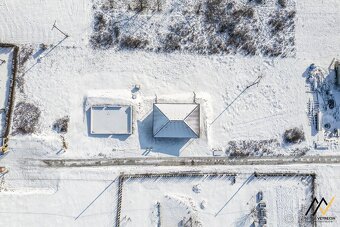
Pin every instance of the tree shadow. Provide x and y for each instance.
(168, 146)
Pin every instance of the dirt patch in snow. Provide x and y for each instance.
(244, 27)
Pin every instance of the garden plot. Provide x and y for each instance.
(6, 55)
(206, 27)
(219, 200)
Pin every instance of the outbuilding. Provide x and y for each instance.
(111, 120)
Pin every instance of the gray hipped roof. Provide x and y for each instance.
(176, 120)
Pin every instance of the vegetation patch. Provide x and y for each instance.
(247, 27)
(294, 135)
(25, 119)
(61, 125)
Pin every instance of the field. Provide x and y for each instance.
(214, 199)
(203, 27)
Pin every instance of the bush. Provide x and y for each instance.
(294, 135)
(129, 42)
(101, 40)
(203, 27)
(139, 5)
(249, 49)
(26, 118)
(99, 23)
(107, 5)
(243, 12)
(213, 10)
(171, 43)
(281, 21)
(272, 51)
(24, 54)
(260, 2)
(61, 125)
(20, 82)
(282, 3)
(244, 148)
(239, 37)
(277, 24)
(228, 26)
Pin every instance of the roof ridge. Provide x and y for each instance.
(162, 128)
(161, 111)
(164, 124)
(197, 105)
(190, 128)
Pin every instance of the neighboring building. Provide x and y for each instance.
(110, 120)
(176, 120)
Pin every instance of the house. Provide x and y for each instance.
(176, 120)
(111, 120)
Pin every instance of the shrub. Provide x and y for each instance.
(294, 135)
(129, 42)
(24, 54)
(282, 3)
(101, 40)
(271, 51)
(245, 148)
(99, 23)
(25, 119)
(20, 82)
(281, 21)
(139, 5)
(61, 125)
(239, 37)
(107, 5)
(213, 10)
(277, 24)
(171, 43)
(243, 12)
(249, 49)
(260, 2)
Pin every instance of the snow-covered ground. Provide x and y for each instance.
(61, 81)
(214, 199)
(32, 22)
(261, 113)
(88, 196)
(65, 77)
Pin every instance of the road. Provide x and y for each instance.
(192, 161)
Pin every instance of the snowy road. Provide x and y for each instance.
(192, 161)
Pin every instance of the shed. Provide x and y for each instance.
(110, 120)
(176, 120)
